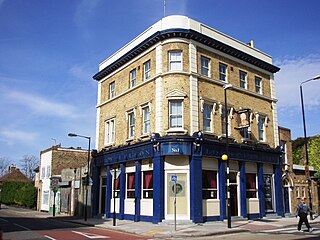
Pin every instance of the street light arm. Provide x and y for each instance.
(311, 79)
(76, 135)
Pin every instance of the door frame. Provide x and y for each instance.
(187, 192)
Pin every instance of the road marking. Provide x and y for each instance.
(4, 220)
(22, 226)
(49, 237)
(90, 235)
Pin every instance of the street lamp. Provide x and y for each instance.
(307, 173)
(225, 157)
(88, 173)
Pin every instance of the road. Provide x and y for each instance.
(18, 223)
(288, 233)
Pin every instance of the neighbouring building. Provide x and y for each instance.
(296, 183)
(69, 165)
(161, 120)
(14, 175)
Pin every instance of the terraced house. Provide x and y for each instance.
(161, 120)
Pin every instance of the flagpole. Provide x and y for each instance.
(164, 8)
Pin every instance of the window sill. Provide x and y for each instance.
(145, 135)
(247, 140)
(129, 140)
(108, 145)
(176, 130)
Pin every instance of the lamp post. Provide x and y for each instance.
(225, 157)
(306, 142)
(88, 173)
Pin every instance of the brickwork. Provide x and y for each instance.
(298, 177)
(127, 99)
(67, 159)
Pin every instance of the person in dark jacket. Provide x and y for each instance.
(302, 212)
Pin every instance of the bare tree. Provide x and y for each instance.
(28, 164)
(4, 165)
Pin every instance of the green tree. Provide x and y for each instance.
(314, 152)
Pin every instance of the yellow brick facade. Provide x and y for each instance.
(209, 88)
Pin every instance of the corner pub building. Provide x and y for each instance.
(161, 115)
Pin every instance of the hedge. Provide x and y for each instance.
(19, 193)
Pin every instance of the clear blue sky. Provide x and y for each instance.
(50, 49)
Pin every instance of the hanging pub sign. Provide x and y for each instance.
(243, 118)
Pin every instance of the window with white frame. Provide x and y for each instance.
(175, 114)
(147, 182)
(303, 191)
(223, 72)
(209, 184)
(133, 77)
(147, 70)
(48, 171)
(131, 185)
(258, 82)
(205, 66)
(243, 79)
(261, 129)
(251, 185)
(131, 124)
(207, 121)
(109, 136)
(297, 191)
(175, 60)
(45, 198)
(112, 89)
(43, 172)
(146, 120)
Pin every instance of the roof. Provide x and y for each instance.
(184, 27)
(14, 176)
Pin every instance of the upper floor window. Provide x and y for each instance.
(243, 79)
(207, 113)
(147, 191)
(112, 89)
(303, 191)
(261, 129)
(109, 131)
(146, 119)
(209, 184)
(48, 171)
(175, 113)
(251, 185)
(131, 185)
(43, 172)
(131, 124)
(147, 70)
(222, 72)
(258, 85)
(133, 77)
(205, 63)
(297, 191)
(175, 60)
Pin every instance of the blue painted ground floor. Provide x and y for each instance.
(154, 181)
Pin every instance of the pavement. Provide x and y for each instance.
(184, 229)
(187, 229)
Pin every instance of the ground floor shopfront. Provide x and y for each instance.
(137, 182)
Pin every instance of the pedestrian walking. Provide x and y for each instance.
(302, 212)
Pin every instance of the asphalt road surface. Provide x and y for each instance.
(17, 224)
